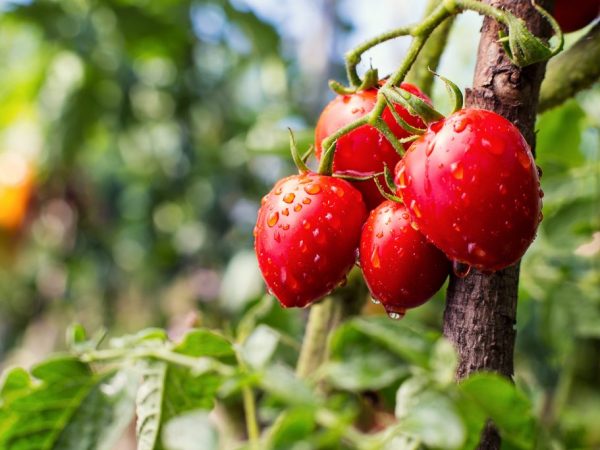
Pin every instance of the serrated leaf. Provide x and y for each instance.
(70, 409)
(168, 391)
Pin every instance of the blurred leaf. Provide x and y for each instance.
(259, 347)
(444, 361)
(369, 371)
(429, 414)
(190, 431)
(202, 342)
(281, 382)
(504, 404)
(294, 426)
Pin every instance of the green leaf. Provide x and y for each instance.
(429, 414)
(168, 391)
(295, 425)
(281, 382)
(501, 401)
(190, 431)
(202, 342)
(443, 362)
(368, 372)
(258, 349)
(70, 407)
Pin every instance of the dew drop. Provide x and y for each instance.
(405, 216)
(414, 226)
(329, 216)
(502, 189)
(306, 201)
(343, 283)
(277, 191)
(460, 124)
(277, 236)
(540, 217)
(286, 227)
(375, 261)
(312, 189)
(456, 227)
(297, 207)
(524, 159)
(460, 269)
(375, 301)
(401, 178)
(430, 147)
(289, 197)
(263, 200)
(415, 208)
(255, 231)
(303, 247)
(380, 234)
(396, 314)
(273, 219)
(357, 110)
(317, 258)
(476, 250)
(306, 224)
(457, 170)
(539, 171)
(541, 193)
(285, 212)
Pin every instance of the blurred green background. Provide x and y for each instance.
(145, 133)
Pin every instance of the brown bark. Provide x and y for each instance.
(480, 313)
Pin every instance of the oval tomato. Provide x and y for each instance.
(401, 268)
(572, 16)
(306, 235)
(363, 151)
(471, 186)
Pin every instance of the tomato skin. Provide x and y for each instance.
(573, 16)
(306, 236)
(472, 187)
(363, 151)
(402, 269)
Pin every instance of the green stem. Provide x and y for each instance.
(250, 411)
(314, 345)
(431, 54)
(573, 71)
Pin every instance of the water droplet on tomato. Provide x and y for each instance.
(541, 193)
(414, 226)
(343, 283)
(460, 124)
(540, 217)
(436, 126)
(396, 314)
(303, 247)
(456, 227)
(285, 212)
(263, 200)
(357, 110)
(539, 171)
(415, 208)
(289, 197)
(380, 234)
(476, 250)
(405, 216)
(524, 159)
(312, 189)
(277, 236)
(460, 269)
(457, 170)
(273, 219)
(430, 147)
(306, 224)
(277, 191)
(328, 216)
(297, 207)
(375, 261)
(375, 301)
(317, 258)
(502, 189)
(401, 177)
(286, 226)
(255, 231)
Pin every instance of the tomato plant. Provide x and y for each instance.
(401, 268)
(363, 151)
(572, 16)
(472, 187)
(307, 232)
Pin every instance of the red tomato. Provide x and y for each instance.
(306, 236)
(401, 268)
(472, 187)
(572, 16)
(363, 151)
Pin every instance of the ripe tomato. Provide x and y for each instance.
(306, 235)
(471, 186)
(572, 16)
(401, 268)
(16, 186)
(363, 151)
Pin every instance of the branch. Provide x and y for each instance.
(431, 53)
(573, 71)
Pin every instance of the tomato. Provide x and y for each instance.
(572, 16)
(363, 151)
(306, 236)
(401, 268)
(471, 186)
(16, 187)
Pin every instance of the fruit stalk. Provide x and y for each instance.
(481, 308)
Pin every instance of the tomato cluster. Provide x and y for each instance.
(467, 191)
